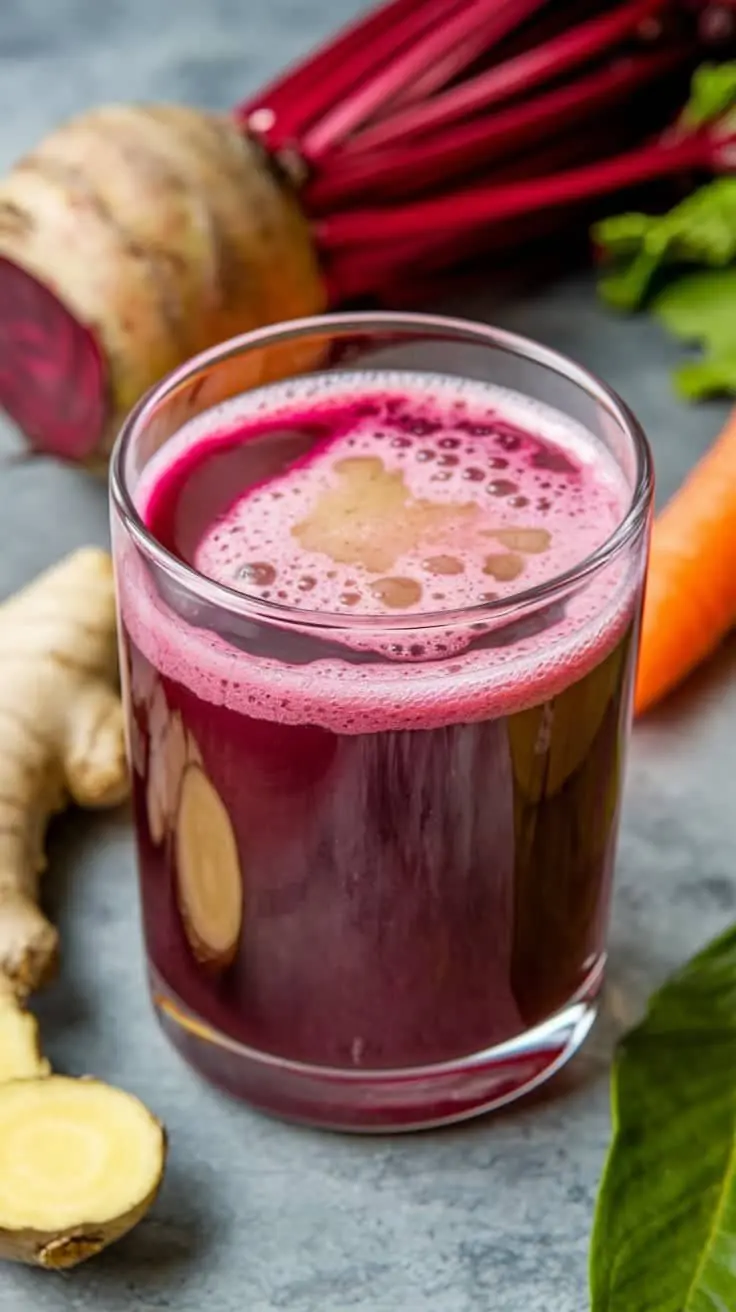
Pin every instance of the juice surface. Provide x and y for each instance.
(396, 497)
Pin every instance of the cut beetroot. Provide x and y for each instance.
(52, 373)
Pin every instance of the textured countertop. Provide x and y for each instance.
(255, 1214)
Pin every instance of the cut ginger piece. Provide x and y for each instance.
(210, 887)
(80, 1165)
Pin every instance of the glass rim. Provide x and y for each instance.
(248, 606)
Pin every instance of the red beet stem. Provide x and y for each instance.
(420, 69)
(487, 140)
(505, 19)
(465, 211)
(282, 111)
(349, 279)
(514, 77)
(310, 71)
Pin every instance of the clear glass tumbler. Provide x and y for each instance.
(375, 841)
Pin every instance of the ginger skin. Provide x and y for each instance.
(80, 1161)
(61, 725)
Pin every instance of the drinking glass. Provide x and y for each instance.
(394, 919)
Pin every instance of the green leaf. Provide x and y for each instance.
(701, 230)
(665, 1230)
(627, 287)
(715, 375)
(701, 308)
(712, 93)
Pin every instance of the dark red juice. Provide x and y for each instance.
(382, 842)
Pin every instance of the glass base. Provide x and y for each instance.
(384, 1101)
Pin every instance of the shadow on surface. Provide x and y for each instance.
(68, 889)
(177, 1234)
(148, 1268)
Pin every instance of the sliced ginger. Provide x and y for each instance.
(186, 813)
(80, 1162)
(172, 748)
(210, 887)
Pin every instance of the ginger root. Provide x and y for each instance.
(133, 237)
(20, 1046)
(80, 1162)
(61, 729)
(80, 1165)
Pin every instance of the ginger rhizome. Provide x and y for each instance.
(62, 737)
(80, 1162)
(80, 1165)
(20, 1044)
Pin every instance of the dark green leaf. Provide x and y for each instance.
(701, 230)
(715, 375)
(665, 1230)
(712, 93)
(702, 308)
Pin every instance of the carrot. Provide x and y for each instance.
(690, 601)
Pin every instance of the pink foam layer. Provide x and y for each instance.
(392, 690)
(496, 482)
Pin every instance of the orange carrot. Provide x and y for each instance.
(690, 601)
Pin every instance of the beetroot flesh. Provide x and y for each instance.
(53, 380)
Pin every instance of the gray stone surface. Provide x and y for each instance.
(254, 1214)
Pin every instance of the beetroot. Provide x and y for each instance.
(134, 237)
